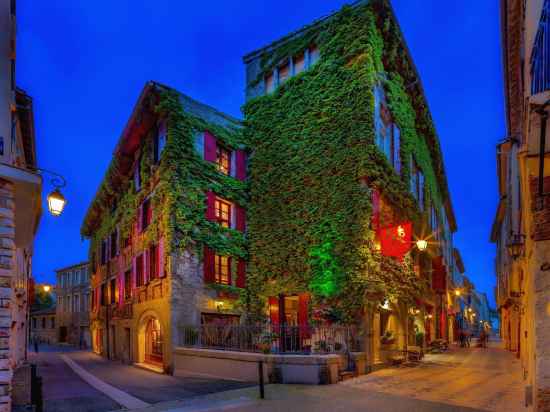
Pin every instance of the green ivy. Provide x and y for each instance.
(313, 140)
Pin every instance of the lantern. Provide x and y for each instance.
(56, 202)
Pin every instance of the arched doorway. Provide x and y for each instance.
(153, 342)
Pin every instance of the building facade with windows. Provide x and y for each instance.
(43, 326)
(20, 211)
(521, 228)
(73, 294)
(346, 174)
(167, 229)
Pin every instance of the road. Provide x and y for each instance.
(65, 391)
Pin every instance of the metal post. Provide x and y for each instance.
(261, 373)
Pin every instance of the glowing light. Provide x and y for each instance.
(56, 202)
(400, 231)
(457, 292)
(422, 244)
(386, 305)
(46, 288)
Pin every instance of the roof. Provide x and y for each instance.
(317, 23)
(76, 265)
(141, 120)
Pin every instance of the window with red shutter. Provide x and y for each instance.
(210, 206)
(222, 269)
(240, 164)
(223, 160)
(241, 219)
(222, 212)
(208, 265)
(209, 147)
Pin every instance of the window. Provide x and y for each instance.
(153, 262)
(159, 142)
(68, 304)
(137, 176)
(112, 291)
(417, 183)
(299, 64)
(114, 243)
(140, 281)
(540, 70)
(52, 323)
(59, 303)
(388, 134)
(284, 73)
(222, 211)
(223, 160)
(43, 323)
(269, 83)
(222, 269)
(314, 55)
(104, 294)
(104, 251)
(76, 303)
(128, 284)
(83, 303)
(34, 323)
(146, 214)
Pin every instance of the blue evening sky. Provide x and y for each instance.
(85, 62)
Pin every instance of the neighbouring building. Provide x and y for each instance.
(346, 171)
(73, 305)
(20, 210)
(43, 325)
(521, 229)
(166, 229)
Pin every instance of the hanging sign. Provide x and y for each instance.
(396, 241)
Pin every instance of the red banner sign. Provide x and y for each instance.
(396, 241)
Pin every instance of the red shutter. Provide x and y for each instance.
(140, 218)
(241, 273)
(241, 164)
(121, 289)
(134, 275)
(210, 206)
(274, 310)
(303, 316)
(146, 263)
(241, 218)
(209, 147)
(160, 258)
(208, 265)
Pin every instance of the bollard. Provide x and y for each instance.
(261, 373)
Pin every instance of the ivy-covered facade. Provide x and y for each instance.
(166, 228)
(305, 213)
(346, 173)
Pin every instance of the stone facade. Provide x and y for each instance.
(73, 305)
(43, 326)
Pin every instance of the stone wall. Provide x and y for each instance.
(8, 299)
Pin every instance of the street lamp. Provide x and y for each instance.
(56, 202)
(422, 244)
(457, 292)
(516, 246)
(46, 288)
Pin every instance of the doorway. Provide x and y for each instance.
(153, 342)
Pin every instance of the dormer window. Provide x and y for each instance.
(223, 160)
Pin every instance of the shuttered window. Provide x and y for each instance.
(540, 57)
(222, 269)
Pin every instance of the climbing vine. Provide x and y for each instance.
(313, 140)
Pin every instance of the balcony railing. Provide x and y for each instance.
(273, 339)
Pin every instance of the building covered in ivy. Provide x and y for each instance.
(166, 228)
(346, 174)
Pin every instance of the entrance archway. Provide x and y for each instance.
(151, 340)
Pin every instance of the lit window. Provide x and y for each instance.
(299, 64)
(222, 269)
(223, 212)
(223, 160)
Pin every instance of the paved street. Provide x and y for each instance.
(461, 380)
(63, 390)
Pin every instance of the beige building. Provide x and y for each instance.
(43, 326)
(73, 305)
(20, 210)
(522, 225)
